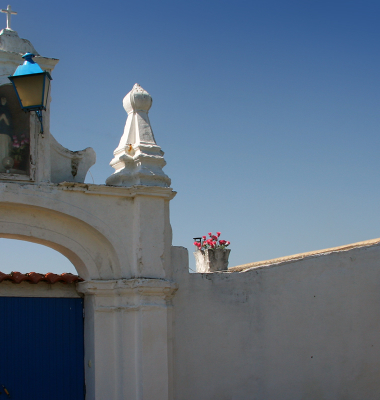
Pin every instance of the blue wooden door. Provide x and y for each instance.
(41, 348)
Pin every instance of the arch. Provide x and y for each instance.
(91, 253)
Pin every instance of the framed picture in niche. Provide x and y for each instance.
(15, 138)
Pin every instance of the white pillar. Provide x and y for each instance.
(127, 343)
(152, 233)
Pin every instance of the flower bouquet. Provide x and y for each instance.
(20, 150)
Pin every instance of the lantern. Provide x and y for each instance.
(32, 86)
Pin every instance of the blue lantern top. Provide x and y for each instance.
(29, 66)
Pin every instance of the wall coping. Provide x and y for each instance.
(301, 256)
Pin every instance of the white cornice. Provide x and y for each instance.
(143, 287)
(155, 191)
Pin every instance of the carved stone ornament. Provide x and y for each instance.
(138, 160)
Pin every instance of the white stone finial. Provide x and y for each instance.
(138, 160)
(9, 13)
(138, 99)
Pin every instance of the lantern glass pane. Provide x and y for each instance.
(46, 91)
(30, 89)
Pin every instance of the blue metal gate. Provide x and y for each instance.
(41, 348)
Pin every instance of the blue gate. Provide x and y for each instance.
(41, 348)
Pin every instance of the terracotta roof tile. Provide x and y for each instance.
(34, 277)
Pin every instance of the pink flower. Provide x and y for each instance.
(212, 242)
(227, 243)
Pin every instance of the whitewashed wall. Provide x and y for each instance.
(301, 330)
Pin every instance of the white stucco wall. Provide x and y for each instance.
(307, 329)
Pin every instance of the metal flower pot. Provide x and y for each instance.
(211, 260)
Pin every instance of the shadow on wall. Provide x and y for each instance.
(22, 256)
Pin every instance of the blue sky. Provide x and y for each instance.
(268, 112)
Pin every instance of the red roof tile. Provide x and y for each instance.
(33, 277)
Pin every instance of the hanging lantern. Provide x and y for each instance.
(32, 86)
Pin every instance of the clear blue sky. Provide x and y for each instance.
(268, 111)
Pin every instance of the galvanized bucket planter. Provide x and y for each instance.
(211, 260)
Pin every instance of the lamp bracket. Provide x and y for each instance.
(39, 116)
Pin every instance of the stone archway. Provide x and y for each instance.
(119, 241)
(89, 251)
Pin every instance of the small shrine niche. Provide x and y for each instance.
(14, 134)
(25, 153)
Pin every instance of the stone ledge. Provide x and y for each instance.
(88, 188)
(141, 286)
(132, 191)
